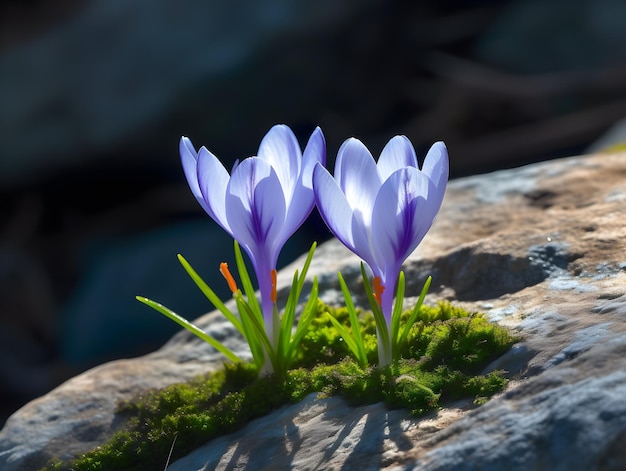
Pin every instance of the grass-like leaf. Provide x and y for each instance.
(404, 333)
(396, 313)
(381, 322)
(191, 328)
(246, 283)
(211, 296)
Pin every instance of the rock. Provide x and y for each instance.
(540, 249)
(325, 434)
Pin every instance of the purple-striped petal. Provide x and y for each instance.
(398, 222)
(255, 206)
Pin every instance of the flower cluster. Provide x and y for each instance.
(379, 210)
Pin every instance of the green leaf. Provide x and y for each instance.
(211, 296)
(258, 328)
(286, 323)
(396, 315)
(288, 342)
(379, 318)
(359, 351)
(307, 316)
(345, 334)
(191, 328)
(251, 335)
(305, 268)
(247, 284)
(413, 317)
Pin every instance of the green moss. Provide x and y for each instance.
(446, 349)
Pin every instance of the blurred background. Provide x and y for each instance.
(95, 94)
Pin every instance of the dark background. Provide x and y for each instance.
(95, 94)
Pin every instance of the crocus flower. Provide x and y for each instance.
(263, 202)
(382, 211)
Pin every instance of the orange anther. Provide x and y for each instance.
(378, 290)
(229, 278)
(273, 296)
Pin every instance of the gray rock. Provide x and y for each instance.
(326, 434)
(544, 254)
(563, 420)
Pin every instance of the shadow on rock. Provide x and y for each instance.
(477, 273)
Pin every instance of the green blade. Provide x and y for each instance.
(208, 292)
(308, 314)
(346, 335)
(247, 284)
(379, 318)
(416, 310)
(354, 322)
(257, 325)
(286, 323)
(190, 327)
(396, 314)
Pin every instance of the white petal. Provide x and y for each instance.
(358, 178)
(397, 154)
(212, 179)
(280, 148)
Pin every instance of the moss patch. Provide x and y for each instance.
(446, 349)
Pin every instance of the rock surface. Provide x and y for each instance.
(540, 249)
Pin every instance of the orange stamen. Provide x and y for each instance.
(378, 290)
(229, 278)
(273, 296)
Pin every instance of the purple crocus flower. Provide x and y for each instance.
(382, 211)
(263, 202)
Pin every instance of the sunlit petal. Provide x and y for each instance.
(357, 176)
(398, 222)
(212, 179)
(315, 151)
(333, 206)
(255, 204)
(189, 160)
(280, 148)
(397, 154)
(436, 166)
(301, 202)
